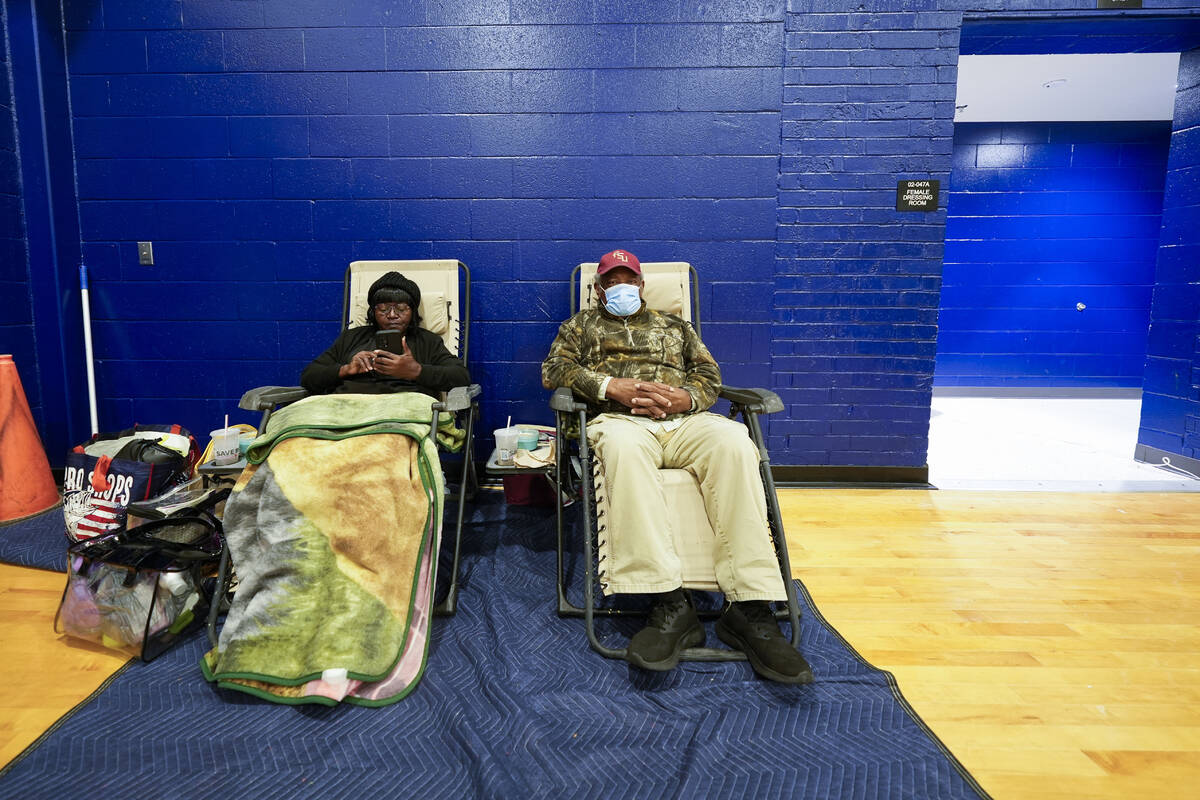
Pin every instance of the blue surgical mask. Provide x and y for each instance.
(622, 299)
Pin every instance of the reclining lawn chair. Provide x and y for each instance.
(444, 310)
(670, 287)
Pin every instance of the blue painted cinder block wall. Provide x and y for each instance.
(262, 145)
(1171, 394)
(16, 322)
(1042, 217)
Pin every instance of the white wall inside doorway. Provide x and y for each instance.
(1068, 87)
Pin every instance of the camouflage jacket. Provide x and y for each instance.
(648, 345)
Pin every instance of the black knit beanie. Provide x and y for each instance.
(392, 287)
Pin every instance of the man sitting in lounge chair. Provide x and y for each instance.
(650, 380)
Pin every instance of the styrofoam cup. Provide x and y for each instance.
(506, 444)
(225, 446)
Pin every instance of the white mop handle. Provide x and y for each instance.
(87, 346)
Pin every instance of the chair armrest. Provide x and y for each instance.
(758, 401)
(262, 398)
(563, 399)
(459, 398)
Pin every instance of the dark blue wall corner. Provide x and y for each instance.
(45, 158)
(1171, 392)
(1043, 217)
(16, 321)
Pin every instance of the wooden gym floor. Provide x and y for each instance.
(1051, 640)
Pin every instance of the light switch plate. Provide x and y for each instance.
(146, 253)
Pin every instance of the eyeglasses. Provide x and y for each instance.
(392, 309)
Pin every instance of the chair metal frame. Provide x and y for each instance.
(267, 399)
(747, 402)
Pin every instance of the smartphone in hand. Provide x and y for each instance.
(392, 341)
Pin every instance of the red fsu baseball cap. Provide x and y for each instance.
(619, 258)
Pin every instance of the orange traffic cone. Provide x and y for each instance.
(26, 485)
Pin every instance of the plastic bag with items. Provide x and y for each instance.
(141, 590)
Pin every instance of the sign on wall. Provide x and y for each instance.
(917, 195)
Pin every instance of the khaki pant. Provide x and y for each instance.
(637, 549)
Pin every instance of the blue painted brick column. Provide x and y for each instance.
(868, 100)
(1171, 392)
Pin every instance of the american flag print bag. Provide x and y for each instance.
(111, 470)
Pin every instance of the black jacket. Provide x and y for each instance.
(440, 371)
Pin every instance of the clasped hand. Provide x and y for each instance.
(649, 398)
(394, 365)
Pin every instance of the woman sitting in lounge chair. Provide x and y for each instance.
(356, 363)
(334, 525)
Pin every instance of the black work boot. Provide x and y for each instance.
(750, 626)
(673, 625)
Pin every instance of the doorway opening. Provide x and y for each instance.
(1062, 135)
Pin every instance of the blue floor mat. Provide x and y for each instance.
(514, 704)
(36, 541)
